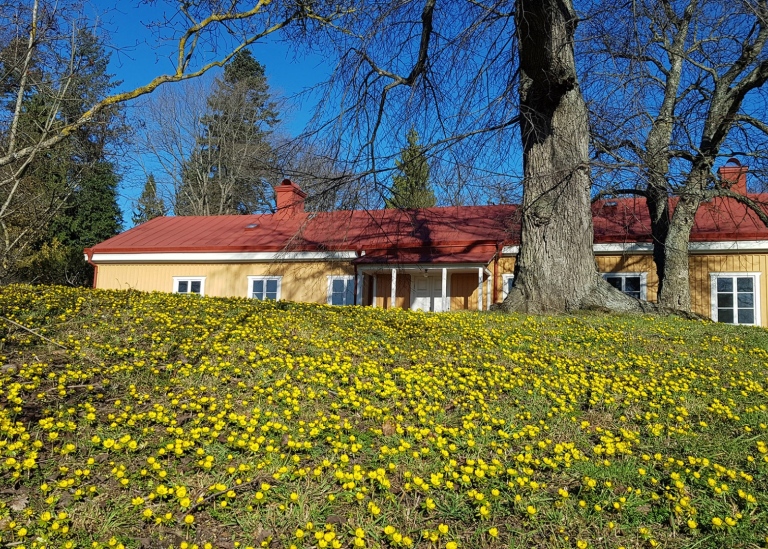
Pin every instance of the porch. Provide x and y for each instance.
(425, 287)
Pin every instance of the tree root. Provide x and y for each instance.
(602, 297)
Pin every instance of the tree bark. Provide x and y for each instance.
(676, 291)
(555, 269)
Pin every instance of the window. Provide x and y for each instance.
(341, 290)
(632, 284)
(735, 298)
(264, 287)
(507, 280)
(189, 285)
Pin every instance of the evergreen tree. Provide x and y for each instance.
(228, 171)
(71, 188)
(149, 205)
(410, 186)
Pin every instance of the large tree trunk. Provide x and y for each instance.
(556, 269)
(658, 208)
(676, 291)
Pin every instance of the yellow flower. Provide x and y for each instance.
(189, 519)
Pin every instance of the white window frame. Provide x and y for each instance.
(713, 276)
(505, 278)
(190, 279)
(265, 278)
(348, 279)
(623, 275)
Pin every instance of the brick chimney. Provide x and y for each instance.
(290, 198)
(734, 176)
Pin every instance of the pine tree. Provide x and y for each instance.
(410, 186)
(149, 205)
(228, 171)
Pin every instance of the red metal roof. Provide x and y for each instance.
(451, 234)
(340, 230)
(719, 220)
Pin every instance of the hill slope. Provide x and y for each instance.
(155, 420)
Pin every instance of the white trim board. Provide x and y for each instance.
(647, 248)
(221, 257)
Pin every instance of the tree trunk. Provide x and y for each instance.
(658, 208)
(676, 292)
(556, 267)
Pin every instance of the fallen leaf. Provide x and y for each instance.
(19, 503)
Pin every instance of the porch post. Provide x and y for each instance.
(375, 276)
(359, 296)
(479, 288)
(444, 294)
(393, 290)
(488, 292)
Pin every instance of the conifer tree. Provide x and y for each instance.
(149, 205)
(227, 172)
(410, 186)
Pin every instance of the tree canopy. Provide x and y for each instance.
(411, 187)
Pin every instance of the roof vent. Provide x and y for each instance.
(251, 225)
(612, 204)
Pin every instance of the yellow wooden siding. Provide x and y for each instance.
(631, 264)
(301, 281)
(402, 291)
(700, 267)
(506, 266)
(464, 291)
(307, 281)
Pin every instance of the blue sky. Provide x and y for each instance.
(138, 56)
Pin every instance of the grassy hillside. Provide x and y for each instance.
(153, 420)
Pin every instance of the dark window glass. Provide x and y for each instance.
(746, 316)
(271, 289)
(183, 287)
(510, 283)
(725, 315)
(632, 284)
(258, 289)
(744, 284)
(745, 300)
(725, 300)
(194, 287)
(614, 281)
(724, 284)
(349, 293)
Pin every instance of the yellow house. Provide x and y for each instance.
(433, 259)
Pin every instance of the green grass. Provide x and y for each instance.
(122, 414)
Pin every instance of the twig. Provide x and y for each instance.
(31, 331)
